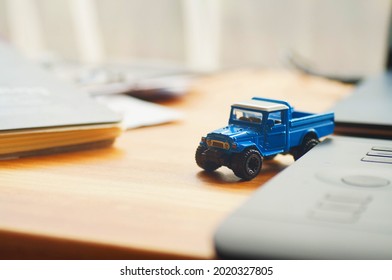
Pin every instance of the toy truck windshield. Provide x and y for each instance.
(245, 115)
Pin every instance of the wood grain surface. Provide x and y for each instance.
(144, 197)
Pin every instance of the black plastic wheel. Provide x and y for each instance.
(247, 164)
(202, 162)
(306, 146)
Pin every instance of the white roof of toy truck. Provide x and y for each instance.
(261, 105)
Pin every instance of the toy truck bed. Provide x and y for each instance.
(321, 125)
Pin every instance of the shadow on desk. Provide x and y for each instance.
(225, 178)
(31, 247)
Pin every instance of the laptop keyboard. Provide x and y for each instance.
(379, 155)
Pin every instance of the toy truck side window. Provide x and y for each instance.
(275, 117)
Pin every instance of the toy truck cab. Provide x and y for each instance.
(260, 129)
(265, 124)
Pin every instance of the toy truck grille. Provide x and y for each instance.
(218, 144)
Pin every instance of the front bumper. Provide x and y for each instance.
(217, 156)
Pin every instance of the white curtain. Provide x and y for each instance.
(338, 37)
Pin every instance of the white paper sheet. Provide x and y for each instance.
(138, 113)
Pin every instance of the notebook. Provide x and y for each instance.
(367, 111)
(41, 115)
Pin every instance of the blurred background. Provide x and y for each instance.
(334, 36)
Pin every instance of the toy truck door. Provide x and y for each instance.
(275, 131)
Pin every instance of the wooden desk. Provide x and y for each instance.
(145, 197)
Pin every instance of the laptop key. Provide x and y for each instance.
(385, 149)
(379, 154)
(377, 159)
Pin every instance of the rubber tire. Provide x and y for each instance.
(306, 146)
(208, 166)
(247, 165)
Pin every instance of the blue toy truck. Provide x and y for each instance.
(260, 129)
